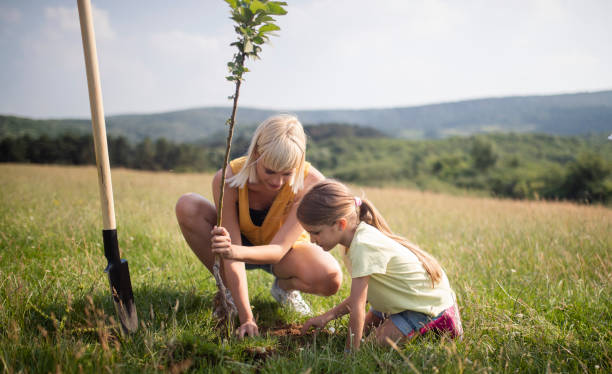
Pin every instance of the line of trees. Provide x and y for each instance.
(520, 166)
(71, 149)
(527, 166)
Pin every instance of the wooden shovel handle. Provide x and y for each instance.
(97, 114)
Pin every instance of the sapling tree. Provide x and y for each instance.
(254, 23)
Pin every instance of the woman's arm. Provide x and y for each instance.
(356, 304)
(282, 241)
(234, 272)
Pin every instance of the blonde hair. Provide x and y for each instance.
(328, 201)
(280, 143)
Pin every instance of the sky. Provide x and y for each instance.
(163, 55)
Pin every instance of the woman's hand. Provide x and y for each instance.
(316, 322)
(248, 328)
(221, 243)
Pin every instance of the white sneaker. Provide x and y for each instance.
(291, 298)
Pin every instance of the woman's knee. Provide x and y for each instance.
(332, 283)
(319, 271)
(326, 282)
(329, 275)
(192, 208)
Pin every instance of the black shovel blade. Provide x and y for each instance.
(123, 298)
(120, 283)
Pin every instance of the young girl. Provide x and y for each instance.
(407, 289)
(260, 228)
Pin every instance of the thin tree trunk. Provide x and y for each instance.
(228, 306)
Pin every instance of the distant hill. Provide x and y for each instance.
(568, 114)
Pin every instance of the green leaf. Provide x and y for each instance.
(246, 14)
(276, 8)
(232, 3)
(238, 18)
(269, 27)
(262, 18)
(257, 5)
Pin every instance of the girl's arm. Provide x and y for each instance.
(356, 305)
(281, 243)
(322, 320)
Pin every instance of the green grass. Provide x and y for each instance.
(533, 281)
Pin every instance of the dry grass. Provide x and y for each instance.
(533, 280)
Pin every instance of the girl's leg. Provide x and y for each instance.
(196, 217)
(388, 330)
(372, 321)
(309, 269)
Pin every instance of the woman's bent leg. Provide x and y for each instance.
(306, 267)
(196, 217)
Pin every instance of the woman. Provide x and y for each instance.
(259, 218)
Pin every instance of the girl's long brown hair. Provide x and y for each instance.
(328, 201)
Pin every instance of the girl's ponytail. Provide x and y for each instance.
(368, 214)
(328, 201)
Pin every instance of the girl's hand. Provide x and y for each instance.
(248, 328)
(221, 243)
(316, 322)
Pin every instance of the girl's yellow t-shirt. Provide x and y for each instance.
(277, 214)
(398, 281)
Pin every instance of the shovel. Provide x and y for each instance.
(117, 268)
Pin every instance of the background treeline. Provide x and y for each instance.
(73, 149)
(519, 166)
(531, 166)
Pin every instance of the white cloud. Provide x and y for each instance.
(424, 18)
(10, 15)
(183, 45)
(102, 24)
(550, 10)
(66, 19)
(51, 71)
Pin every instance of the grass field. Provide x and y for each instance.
(533, 281)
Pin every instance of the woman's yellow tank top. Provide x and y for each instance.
(277, 214)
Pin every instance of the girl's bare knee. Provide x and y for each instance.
(388, 331)
(381, 339)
